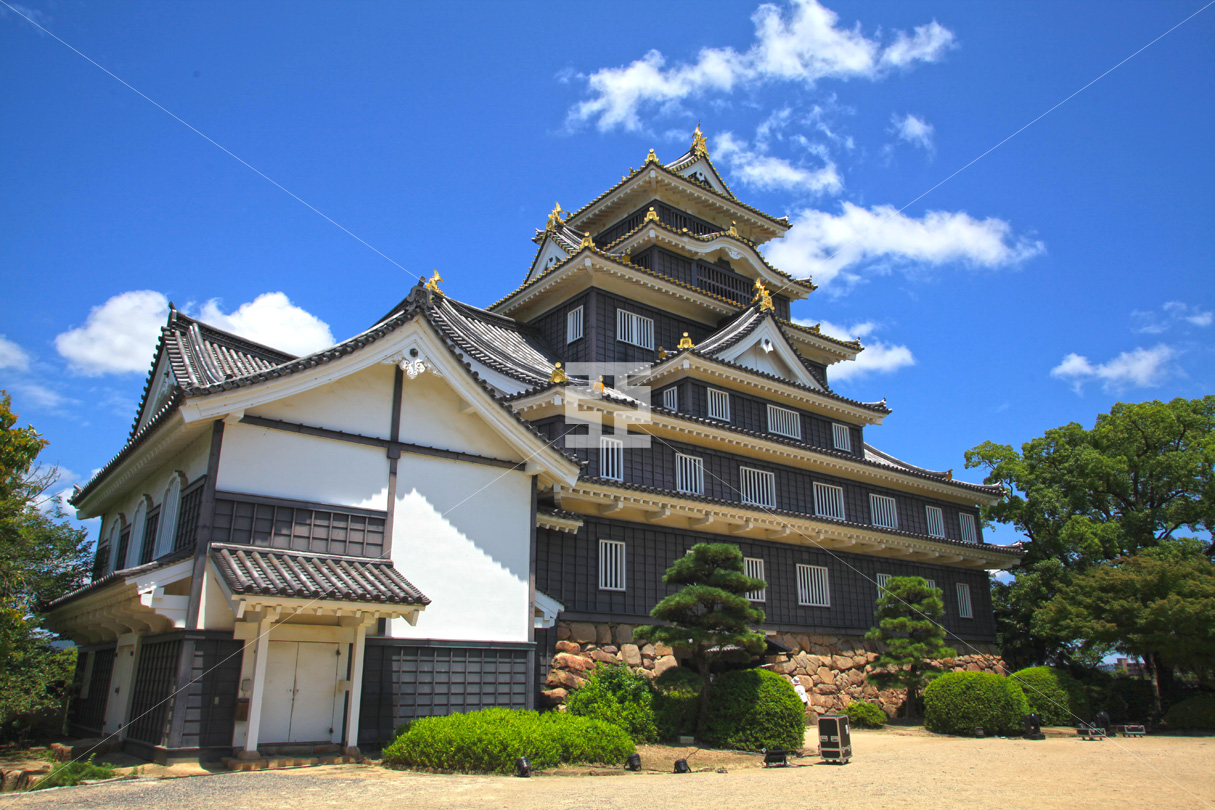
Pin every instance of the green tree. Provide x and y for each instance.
(710, 617)
(41, 557)
(1085, 496)
(1158, 604)
(909, 613)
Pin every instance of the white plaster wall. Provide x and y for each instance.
(462, 535)
(430, 415)
(215, 611)
(262, 461)
(359, 403)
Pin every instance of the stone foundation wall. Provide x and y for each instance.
(831, 668)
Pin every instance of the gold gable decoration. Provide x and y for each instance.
(555, 219)
(699, 146)
(558, 375)
(762, 296)
(432, 283)
(651, 215)
(651, 158)
(587, 242)
(685, 342)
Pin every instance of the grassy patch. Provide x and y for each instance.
(68, 774)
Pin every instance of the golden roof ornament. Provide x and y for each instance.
(627, 257)
(733, 229)
(762, 296)
(587, 242)
(432, 283)
(555, 219)
(699, 146)
(651, 158)
(815, 329)
(685, 342)
(949, 474)
(597, 386)
(651, 215)
(558, 375)
(662, 353)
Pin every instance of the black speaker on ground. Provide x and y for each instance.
(1033, 727)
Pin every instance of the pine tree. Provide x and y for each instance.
(909, 613)
(710, 617)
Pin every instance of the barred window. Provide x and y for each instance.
(755, 568)
(279, 523)
(883, 511)
(964, 608)
(812, 588)
(784, 422)
(758, 487)
(936, 522)
(882, 579)
(573, 325)
(611, 565)
(842, 437)
(689, 474)
(124, 545)
(967, 523)
(829, 501)
(719, 405)
(670, 399)
(611, 458)
(150, 527)
(634, 329)
(932, 583)
(187, 521)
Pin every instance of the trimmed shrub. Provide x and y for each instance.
(71, 773)
(1054, 694)
(960, 702)
(751, 709)
(490, 740)
(863, 714)
(676, 702)
(616, 694)
(1196, 712)
(1129, 700)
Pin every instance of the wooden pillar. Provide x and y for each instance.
(356, 685)
(262, 647)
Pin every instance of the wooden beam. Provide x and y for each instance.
(659, 515)
(609, 508)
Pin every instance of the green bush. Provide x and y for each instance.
(676, 702)
(1195, 712)
(960, 702)
(490, 740)
(1055, 695)
(863, 714)
(751, 709)
(71, 773)
(1129, 700)
(616, 694)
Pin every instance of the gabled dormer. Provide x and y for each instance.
(695, 165)
(557, 243)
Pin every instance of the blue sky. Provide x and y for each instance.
(1062, 272)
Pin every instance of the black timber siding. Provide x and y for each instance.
(152, 699)
(718, 278)
(298, 526)
(187, 515)
(404, 680)
(567, 570)
(655, 467)
(751, 413)
(88, 713)
(209, 702)
(552, 326)
(667, 330)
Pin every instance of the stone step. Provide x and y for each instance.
(77, 749)
(279, 762)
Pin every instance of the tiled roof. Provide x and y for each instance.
(501, 343)
(249, 570)
(1013, 549)
(117, 576)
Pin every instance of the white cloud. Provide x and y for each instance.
(879, 357)
(913, 129)
(766, 172)
(802, 46)
(1141, 368)
(13, 356)
(1173, 313)
(120, 336)
(40, 396)
(272, 320)
(840, 247)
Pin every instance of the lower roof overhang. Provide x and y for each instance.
(133, 603)
(670, 511)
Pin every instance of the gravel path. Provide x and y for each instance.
(891, 769)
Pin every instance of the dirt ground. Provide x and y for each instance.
(892, 768)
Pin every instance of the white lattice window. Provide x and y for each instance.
(883, 511)
(784, 422)
(829, 501)
(841, 438)
(634, 329)
(882, 579)
(719, 405)
(755, 568)
(967, 524)
(964, 608)
(573, 325)
(758, 487)
(689, 474)
(812, 587)
(936, 521)
(670, 399)
(611, 458)
(611, 565)
(932, 583)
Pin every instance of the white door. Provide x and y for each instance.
(301, 684)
